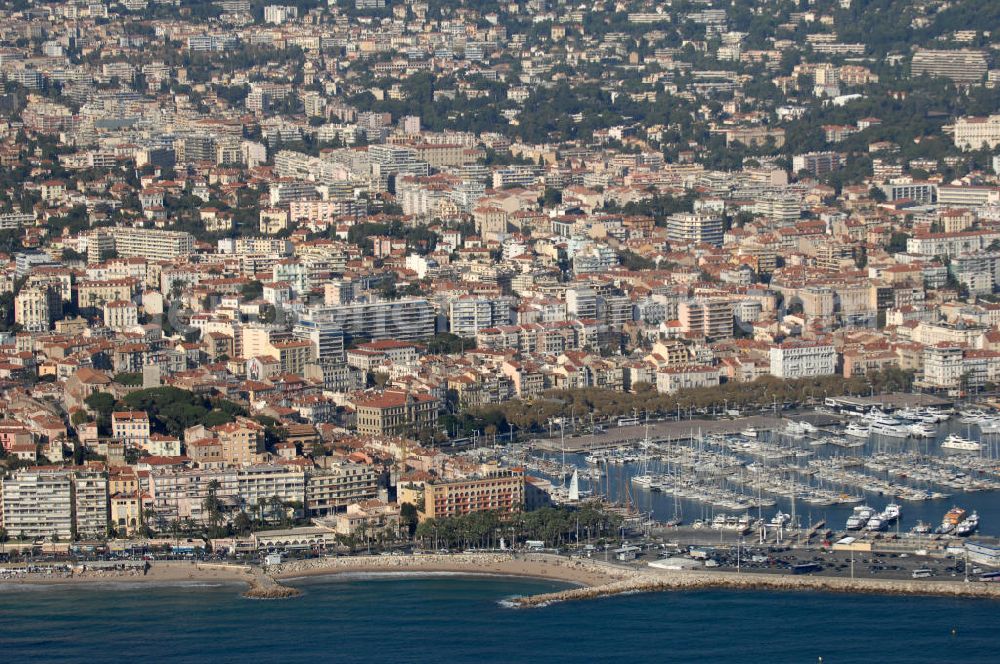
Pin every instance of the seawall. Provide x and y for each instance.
(649, 581)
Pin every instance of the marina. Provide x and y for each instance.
(914, 453)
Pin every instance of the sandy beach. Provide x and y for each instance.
(577, 572)
(163, 572)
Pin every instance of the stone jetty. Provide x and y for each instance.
(263, 586)
(647, 581)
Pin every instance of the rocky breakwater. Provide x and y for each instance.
(646, 581)
(464, 562)
(263, 586)
(578, 571)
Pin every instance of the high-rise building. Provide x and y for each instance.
(711, 318)
(689, 228)
(581, 303)
(408, 319)
(325, 334)
(38, 504)
(817, 163)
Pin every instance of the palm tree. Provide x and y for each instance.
(213, 506)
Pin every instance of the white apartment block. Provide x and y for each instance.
(36, 307)
(332, 489)
(671, 379)
(259, 484)
(152, 243)
(972, 133)
(38, 504)
(950, 244)
(468, 315)
(800, 360)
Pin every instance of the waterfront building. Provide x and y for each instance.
(501, 492)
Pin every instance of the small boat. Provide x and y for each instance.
(921, 528)
(780, 520)
(794, 429)
(974, 416)
(643, 481)
(749, 432)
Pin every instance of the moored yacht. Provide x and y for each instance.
(875, 523)
(955, 442)
(923, 430)
(891, 513)
(859, 518)
(857, 430)
(989, 424)
(968, 525)
(890, 430)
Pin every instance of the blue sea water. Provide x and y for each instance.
(448, 618)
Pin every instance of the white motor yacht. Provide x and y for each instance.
(857, 430)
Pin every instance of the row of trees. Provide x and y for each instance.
(604, 403)
(553, 525)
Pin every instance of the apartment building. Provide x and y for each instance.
(803, 359)
(711, 318)
(293, 355)
(37, 307)
(972, 133)
(950, 244)
(38, 504)
(257, 485)
(152, 243)
(131, 428)
(332, 489)
(368, 356)
(326, 336)
(90, 504)
(395, 412)
(671, 379)
(960, 65)
(817, 163)
(241, 441)
(694, 228)
(501, 492)
(407, 319)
